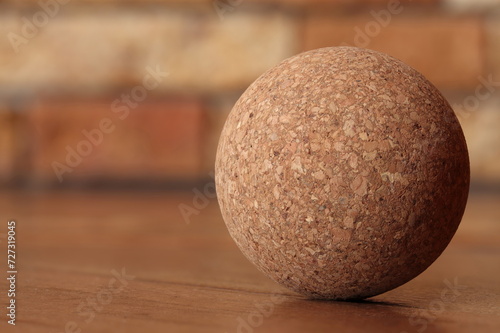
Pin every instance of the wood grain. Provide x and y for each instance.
(192, 278)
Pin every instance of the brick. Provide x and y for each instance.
(349, 3)
(467, 5)
(159, 139)
(99, 48)
(447, 50)
(7, 144)
(493, 43)
(219, 109)
(483, 139)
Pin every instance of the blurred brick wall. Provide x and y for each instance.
(99, 90)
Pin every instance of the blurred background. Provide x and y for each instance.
(104, 93)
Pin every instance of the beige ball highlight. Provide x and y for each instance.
(342, 173)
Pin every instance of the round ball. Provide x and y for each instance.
(342, 173)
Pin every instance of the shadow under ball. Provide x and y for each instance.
(342, 173)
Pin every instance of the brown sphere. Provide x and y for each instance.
(342, 173)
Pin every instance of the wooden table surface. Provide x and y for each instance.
(128, 262)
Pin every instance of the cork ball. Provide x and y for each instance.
(342, 173)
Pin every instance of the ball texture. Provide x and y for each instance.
(342, 173)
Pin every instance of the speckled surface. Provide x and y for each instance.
(342, 173)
